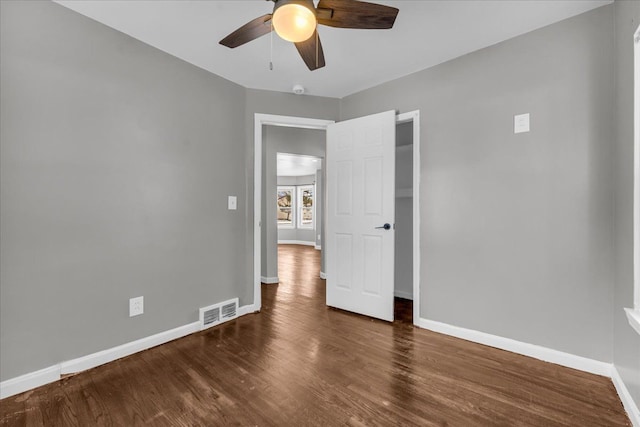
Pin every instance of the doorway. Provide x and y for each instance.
(262, 120)
(299, 199)
(291, 174)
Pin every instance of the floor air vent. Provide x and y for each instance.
(218, 313)
(230, 310)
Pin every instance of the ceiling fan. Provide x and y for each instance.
(296, 21)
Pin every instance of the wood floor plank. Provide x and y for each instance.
(299, 363)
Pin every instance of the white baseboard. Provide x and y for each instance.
(318, 247)
(403, 294)
(627, 401)
(53, 373)
(323, 275)
(105, 356)
(543, 353)
(247, 309)
(269, 280)
(28, 381)
(296, 242)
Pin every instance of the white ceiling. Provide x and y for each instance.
(297, 165)
(426, 33)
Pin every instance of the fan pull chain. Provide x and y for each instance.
(317, 48)
(271, 42)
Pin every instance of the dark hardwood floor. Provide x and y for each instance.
(298, 363)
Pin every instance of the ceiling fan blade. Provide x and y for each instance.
(249, 31)
(311, 52)
(356, 14)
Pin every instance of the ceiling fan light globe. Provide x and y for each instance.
(294, 22)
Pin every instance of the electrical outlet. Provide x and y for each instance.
(136, 306)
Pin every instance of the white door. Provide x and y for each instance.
(360, 201)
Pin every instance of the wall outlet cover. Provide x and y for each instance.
(136, 306)
(521, 123)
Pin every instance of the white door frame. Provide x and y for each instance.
(259, 121)
(308, 123)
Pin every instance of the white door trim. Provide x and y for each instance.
(259, 121)
(308, 123)
(636, 174)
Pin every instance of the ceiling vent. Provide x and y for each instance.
(218, 313)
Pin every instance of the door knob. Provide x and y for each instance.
(386, 226)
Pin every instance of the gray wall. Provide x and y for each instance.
(516, 230)
(269, 233)
(626, 353)
(112, 186)
(320, 217)
(276, 140)
(307, 235)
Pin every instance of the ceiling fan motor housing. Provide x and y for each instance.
(306, 3)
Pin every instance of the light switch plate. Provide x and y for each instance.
(521, 123)
(233, 203)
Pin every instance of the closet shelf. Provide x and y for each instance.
(404, 192)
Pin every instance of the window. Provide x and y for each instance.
(295, 206)
(285, 204)
(305, 206)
